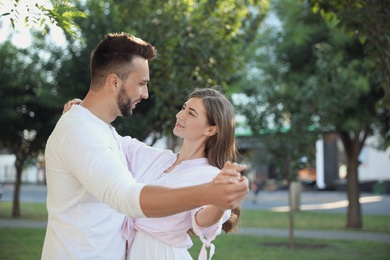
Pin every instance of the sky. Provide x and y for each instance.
(21, 36)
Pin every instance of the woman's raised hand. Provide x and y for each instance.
(70, 103)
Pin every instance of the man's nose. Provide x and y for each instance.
(145, 93)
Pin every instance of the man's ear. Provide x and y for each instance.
(113, 81)
(212, 130)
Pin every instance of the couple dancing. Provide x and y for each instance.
(166, 194)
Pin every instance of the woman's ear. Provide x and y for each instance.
(212, 131)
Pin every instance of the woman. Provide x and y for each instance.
(207, 126)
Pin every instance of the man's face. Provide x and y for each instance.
(134, 88)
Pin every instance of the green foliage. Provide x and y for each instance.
(41, 14)
(26, 117)
(199, 45)
(194, 51)
(273, 82)
(307, 76)
(317, 78)
(368, 21)
(349, 81)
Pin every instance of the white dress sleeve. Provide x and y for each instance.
(208, 234)
(141, 158)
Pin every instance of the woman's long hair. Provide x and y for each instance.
(220, 147)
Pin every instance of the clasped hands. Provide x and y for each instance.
(230, 174)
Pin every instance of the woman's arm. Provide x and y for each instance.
(208, 215)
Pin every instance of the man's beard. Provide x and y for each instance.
(124, 103)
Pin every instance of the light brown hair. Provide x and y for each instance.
(220, 147)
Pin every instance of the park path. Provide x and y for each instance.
(321, 201)
(266, 232)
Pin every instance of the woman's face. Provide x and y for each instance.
(191, 121)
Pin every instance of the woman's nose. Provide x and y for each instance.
(179, 114)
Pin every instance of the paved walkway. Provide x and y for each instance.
(267, 232)
(317, 234)
(13, 223)
(321, 201)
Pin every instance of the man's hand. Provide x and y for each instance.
(226, 191)
(70, 103)
(229, 188)
(230, 173)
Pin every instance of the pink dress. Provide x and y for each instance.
(167, 238)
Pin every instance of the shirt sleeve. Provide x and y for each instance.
(100, 170)
(208, 234)
(142, 158)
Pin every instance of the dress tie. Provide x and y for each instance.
(206, 243)
(128, 231)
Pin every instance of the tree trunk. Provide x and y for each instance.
(354, 219)
(353, 143)
(18, 181)
(291, 218)
(295, 195)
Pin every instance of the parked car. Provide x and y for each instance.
(1, 190)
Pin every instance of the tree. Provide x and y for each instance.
(37, 14)
(276, 104)
(352, 114)
(193, 51)
(26, 117)
(318, 86)
(367, 20)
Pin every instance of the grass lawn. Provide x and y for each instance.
(243, 247)
(21, 243)
(32, 211)
(249, 218)
(26, 243)
(311, 220)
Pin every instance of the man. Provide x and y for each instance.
(89, 185)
